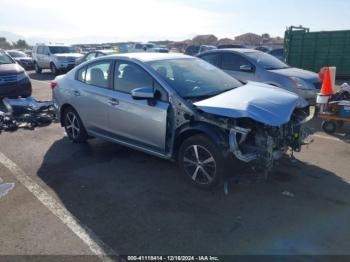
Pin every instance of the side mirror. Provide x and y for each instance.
(246, 68)
(142, 93)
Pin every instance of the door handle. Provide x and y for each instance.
(76, 93)
(113, 102)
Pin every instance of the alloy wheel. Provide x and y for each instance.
(72, 125)
(199, 164)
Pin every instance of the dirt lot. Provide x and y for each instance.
(100, 198)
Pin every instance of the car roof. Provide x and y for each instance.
(147, 57)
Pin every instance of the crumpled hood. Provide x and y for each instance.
(264, 103)
(296, 72)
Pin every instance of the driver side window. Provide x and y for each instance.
(230, 61)
(128, 76)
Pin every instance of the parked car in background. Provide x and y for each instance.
(14, 81)
(192, 50)
(278, 53)
(231, 46)
(93, 54)
(151, 47)
(57, 58)
(263, 48)
(253, 65)
(182, 108)
(205, 48)
(22, 59)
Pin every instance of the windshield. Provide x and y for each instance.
(5, 59)
(267, 61)
(60, 49)
(193, 77)
(16, 54)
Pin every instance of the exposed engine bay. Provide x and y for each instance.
(251, 141)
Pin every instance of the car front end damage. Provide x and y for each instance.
(261, 122)
(261, 144)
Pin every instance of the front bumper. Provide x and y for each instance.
(12, 90)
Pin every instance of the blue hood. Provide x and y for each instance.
(264, 103)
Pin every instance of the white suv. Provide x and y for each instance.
(57, 58)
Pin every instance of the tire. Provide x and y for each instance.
(37, 68)
(74, 126)
(204, 169)
(329, 126)
(54, 69)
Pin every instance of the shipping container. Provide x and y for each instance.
(314, 50)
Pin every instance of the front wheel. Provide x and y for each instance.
(201, 161)
(73, 126)
(54, 70)
(37, 68)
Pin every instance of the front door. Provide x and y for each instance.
(140, 122)
(238, 67)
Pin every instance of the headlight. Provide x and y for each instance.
(22, 76)
(299, 83)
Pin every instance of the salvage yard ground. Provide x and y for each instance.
(100, 198)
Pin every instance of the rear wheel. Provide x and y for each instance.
(37, 68)
(329, 126)
(201, 161)
(74, 126)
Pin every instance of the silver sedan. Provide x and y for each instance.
(180, 108)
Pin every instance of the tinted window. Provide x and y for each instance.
(60, 49)
(128, 76)
(98, 74)
(40, 50)
(230, 61)
(211, 58)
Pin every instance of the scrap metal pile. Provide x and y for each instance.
(25, 113)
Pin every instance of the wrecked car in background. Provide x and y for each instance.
(180, 108)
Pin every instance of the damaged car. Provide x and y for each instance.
(180, 108)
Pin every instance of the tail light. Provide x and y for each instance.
(53, 84)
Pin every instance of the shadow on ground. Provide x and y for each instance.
(138, 204)
(46, 75)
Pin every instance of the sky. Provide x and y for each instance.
(137, 20)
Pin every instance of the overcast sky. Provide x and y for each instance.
(167, 19)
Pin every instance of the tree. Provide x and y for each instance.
(21, 44)
(4, 44)
(266, 36)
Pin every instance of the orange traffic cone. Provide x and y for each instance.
(327, 88)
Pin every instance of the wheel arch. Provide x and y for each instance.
(214, 133)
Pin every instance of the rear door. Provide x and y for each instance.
(236, 65)
(140, 122)
(92, 94)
